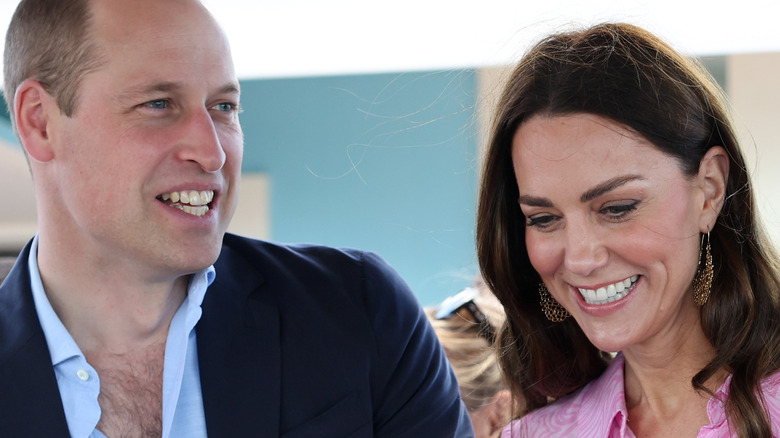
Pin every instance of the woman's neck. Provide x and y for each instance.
(660, 396)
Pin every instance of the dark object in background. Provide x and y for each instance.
(6, 263)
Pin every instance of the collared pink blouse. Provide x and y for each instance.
(598, 410)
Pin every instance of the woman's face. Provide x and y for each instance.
(612, 227)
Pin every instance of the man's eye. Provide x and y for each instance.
(225, 107)
(157, 104)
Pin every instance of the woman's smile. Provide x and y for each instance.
(609, 293)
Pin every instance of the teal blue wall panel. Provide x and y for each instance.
(382, 162)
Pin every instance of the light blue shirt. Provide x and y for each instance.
(79, 384)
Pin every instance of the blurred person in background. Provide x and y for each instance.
(466, 324)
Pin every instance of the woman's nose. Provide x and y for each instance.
(585, 250)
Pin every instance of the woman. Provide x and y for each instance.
(616, 215)
(465, 324)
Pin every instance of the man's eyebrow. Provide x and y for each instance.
(231, 88)
(612, 184)
(607, 186)
(167, 87)
(144, 89)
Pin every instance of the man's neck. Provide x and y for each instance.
(116, 309)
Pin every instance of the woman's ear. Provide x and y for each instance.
(33, 108)
(713, 177)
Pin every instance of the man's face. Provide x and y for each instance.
(148, 166)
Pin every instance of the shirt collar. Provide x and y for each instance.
(199, 283)
(61, 345)
(606, 400)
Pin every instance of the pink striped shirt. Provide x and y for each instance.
(598, 410)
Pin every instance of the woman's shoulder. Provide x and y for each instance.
(589, 411)
(770, 387)
(770, 395)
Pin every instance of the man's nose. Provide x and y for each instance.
(201, 143)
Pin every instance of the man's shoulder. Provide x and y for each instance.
(263, 251)
(311, 268)
(356, 349)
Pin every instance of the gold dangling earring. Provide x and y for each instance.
(702, 282)
(551, 308)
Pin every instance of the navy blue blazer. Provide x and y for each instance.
(294, 341)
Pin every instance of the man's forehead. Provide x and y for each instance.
(117, 21)
(160, 45)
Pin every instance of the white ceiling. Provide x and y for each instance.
(315, 37)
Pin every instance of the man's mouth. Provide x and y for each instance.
(193, 202)
(609, 293)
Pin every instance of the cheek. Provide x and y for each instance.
(545, 254)
(88, 167)
(232, 142)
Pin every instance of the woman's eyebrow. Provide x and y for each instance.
(607, 186)
(534, 201)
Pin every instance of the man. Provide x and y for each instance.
(131, 313)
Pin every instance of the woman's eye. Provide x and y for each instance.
(541, 221)
(620, 210)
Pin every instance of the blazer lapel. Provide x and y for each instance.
(239, 352)
(30, 403)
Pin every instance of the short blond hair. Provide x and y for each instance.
(50, 41)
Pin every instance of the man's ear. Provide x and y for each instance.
(713, 177)
(33, 108)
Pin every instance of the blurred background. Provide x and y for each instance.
(364, 120)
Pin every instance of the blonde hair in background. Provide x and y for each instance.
(470, 354)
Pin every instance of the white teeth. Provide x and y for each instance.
(610, 293)
(197, 211)
(189, 201)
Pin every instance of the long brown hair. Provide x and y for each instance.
(628, 75)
